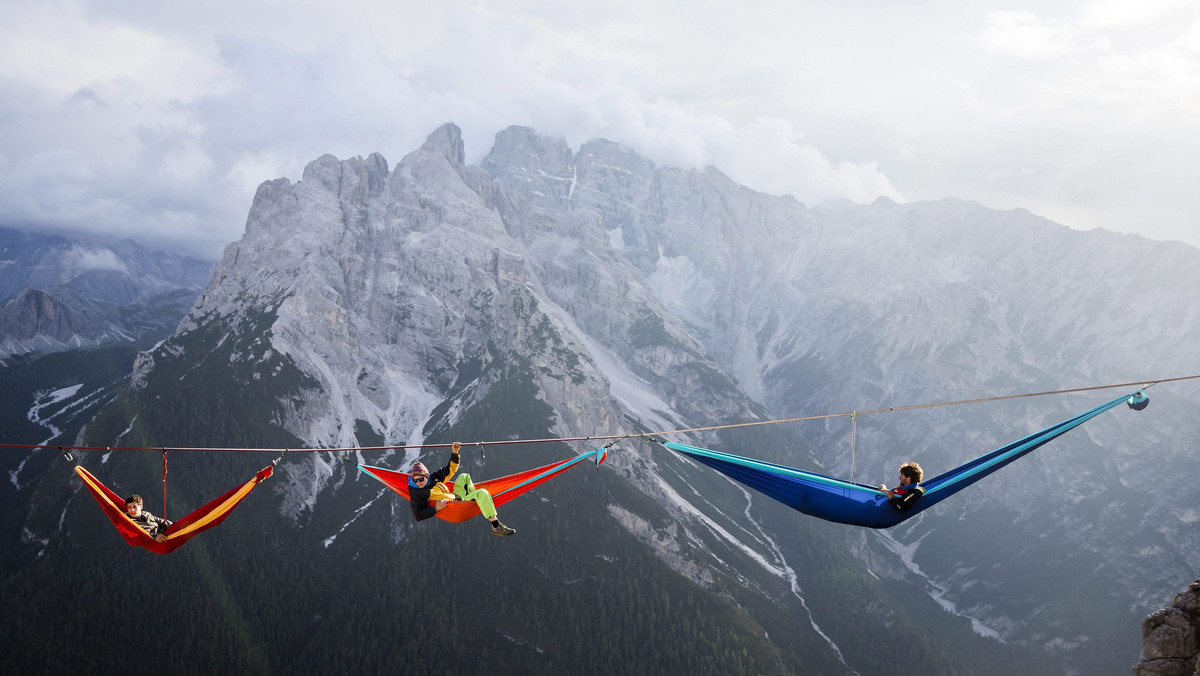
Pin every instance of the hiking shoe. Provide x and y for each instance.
(502, 530)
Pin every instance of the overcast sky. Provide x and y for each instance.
(158, 120)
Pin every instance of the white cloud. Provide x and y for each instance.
(1026, 35)
(79, 260)
(160, 119)
(57, 46)
(1123, 15)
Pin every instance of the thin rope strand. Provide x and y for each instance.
(1140, 384)
(853, 439)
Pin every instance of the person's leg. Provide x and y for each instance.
(463, 485)
(464, 489)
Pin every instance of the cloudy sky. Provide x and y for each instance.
(158, 120)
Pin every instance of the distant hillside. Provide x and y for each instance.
(61, 294)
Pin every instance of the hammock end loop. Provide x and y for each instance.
(1138, 401)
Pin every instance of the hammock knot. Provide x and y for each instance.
(1138, 401)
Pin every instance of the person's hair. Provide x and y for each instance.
(133, 499)
(913, 471)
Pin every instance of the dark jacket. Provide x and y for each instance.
(154, 525)
(420, 498)
(904, 497)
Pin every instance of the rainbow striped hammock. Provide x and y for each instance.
(858, 504)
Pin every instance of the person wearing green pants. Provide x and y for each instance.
(423, 488)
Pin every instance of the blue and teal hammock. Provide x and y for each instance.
(858, 504)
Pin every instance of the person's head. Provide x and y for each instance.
(420, 475)
(912, 471)
(133, 505)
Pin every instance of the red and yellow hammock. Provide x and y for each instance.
(180, 531)
(502, 489)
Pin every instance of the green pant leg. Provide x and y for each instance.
(483, 498)
(464, 489)
(463, 486)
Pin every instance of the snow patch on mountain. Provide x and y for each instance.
(37, 414)
(906, 553)
(357, 513)
(637, 398)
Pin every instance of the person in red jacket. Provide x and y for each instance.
(428, 494)
(903, 496)
(910, 475)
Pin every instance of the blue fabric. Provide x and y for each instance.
(862, 505)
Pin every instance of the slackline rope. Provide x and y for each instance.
(1140, 384)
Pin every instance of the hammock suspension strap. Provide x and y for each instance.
(164, 456)
(853, 438)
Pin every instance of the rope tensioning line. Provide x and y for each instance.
(1140, 384)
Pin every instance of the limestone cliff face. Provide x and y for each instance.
(1171, 637)
(395, 289)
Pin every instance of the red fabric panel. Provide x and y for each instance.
(457, 512)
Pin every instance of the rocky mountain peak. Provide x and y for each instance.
(382, 286)
(354, 180)
(603, 158)
(1171, 637)
(447, 140)
(325, 171)
(520, 150)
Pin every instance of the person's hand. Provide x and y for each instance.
(160, 537)
(883, 487)
(454, 447)
(441, 504)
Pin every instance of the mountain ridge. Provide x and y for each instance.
(58, 293)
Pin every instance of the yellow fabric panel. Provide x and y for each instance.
(217, 513)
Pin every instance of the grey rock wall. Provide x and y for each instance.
(1170, 643)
